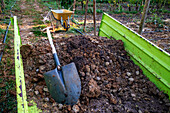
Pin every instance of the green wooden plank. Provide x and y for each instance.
(34, 108)
(154, 61)
(22, 106)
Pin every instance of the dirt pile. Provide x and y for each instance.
(110, 81)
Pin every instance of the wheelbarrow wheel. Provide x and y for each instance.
(65, 25)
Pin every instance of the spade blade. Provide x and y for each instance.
(69, 92)
(72, 83)
(55, 86)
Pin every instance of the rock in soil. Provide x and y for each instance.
(110, 81)
(94, 89)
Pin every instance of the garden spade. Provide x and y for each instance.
(63, 82)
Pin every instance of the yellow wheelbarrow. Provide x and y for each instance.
(63, 16)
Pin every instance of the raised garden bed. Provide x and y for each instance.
(110, 81)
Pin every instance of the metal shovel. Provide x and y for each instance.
(63, 82)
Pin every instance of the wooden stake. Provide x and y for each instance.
(74, 7)
(94, 16)
(85, 16)
(144, 15)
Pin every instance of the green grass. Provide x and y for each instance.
(72, 30)
(82, 12)
(119, 12)
(38, 21)
(52, 4)
(2, 31)
(8, 4)
(131, 12)
(37, 31)
(37, 17)
(17, 7)
(26, 12)
(8, 101)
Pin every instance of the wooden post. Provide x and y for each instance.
(0, 10)
(94, 16)
(144, 14)
(85, 16)
(74, 7)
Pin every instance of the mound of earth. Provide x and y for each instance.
(110, 81)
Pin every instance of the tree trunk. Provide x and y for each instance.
(129, 7)
(144, 15)
(85, 15)
(94, 16)
(74, 7)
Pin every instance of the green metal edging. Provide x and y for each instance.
(22, 105)
(154, 61)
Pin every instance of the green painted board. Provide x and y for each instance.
(154, 61)
(22, 105)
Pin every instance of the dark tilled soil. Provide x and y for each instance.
(110, 81)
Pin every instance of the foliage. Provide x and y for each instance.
(66, 3)
(156, 20)
(50, 4)
(101, 1)
(163, 10)
(99, 11)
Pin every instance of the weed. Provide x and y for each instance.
(163, 10)
(155, 19)
(38, 21)
(17, 7)
(2, 31)
(71, 30)
(82, 12)
(89, 29)
(33, 10)
(50, 4)
(99, 11)
(37, 31)
(10, 52)
(131, 12)
(7, 85)
(10, 100)
(27, 13)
